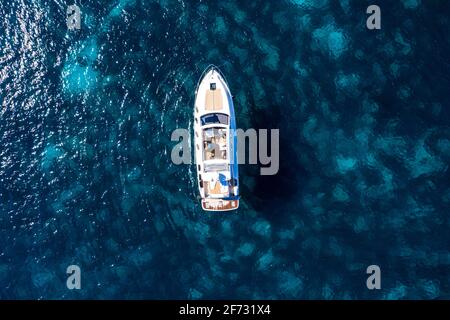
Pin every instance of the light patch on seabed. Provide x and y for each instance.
(265, 261)
(331, 40)
(50, 155)
(246, 249)
(411, 4)
(340, 194)
(77, 77)
(120, 7)
(220, 27)
(310, 4)
(348, 83)
(271, 53)
(423, 162)
(345, 164)
(262, 228)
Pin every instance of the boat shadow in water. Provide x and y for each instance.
(266, 192)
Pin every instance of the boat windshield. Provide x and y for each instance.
(214, 118)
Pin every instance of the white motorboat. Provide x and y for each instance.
(216, 143)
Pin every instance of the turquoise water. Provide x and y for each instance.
(85, 170)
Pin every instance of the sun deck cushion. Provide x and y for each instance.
(213, 100)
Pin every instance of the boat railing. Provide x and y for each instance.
(209, 67)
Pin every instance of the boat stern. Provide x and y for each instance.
(219, 204)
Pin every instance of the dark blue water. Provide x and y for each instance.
(86, 176)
